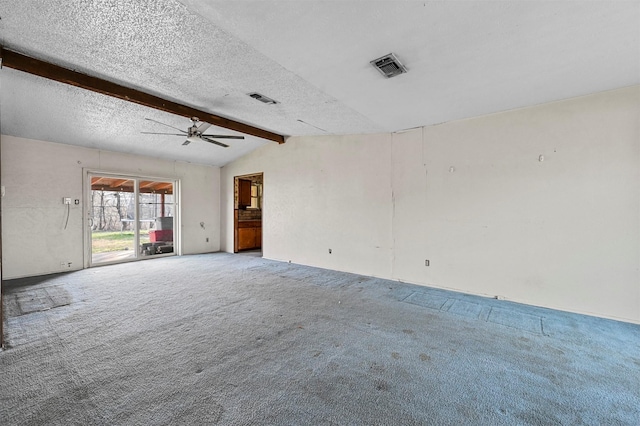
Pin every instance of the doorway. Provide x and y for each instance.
(130, 218)
(247, 213)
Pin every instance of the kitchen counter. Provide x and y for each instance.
(249, 223)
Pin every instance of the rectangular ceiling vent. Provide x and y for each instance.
(389, 65)
(262, 98)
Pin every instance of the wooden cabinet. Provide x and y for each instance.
(244, 193)
(249, 234)
(246, 238)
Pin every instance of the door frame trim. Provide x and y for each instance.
(235, 209)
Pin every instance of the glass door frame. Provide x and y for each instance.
(87, 225)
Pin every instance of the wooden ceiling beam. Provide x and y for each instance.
(164, 185)
(116, 183)
(155, 184)
(97, 180)
(20, 62)
(168, 191)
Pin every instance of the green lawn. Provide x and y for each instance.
(102, 242)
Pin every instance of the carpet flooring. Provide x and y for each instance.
(240, 340)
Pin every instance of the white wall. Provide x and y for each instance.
(37, 175)
(321, 194)
(562, 233)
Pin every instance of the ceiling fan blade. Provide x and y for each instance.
(154, 133)
(204, 138)
(203, 127)
(224, 136)
(155, 121)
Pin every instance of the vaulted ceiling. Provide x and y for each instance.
(464, 59)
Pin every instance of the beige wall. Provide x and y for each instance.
(37, 175)
(561, 233)
(321, 194)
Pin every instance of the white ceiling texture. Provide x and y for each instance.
(464, 59)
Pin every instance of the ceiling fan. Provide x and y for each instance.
(195, 131)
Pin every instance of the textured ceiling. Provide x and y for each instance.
(35, 108)
(464, 58)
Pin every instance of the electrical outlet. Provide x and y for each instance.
(66, 200)
(76, 202)
(426, 262)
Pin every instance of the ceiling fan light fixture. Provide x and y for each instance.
(195, 133)
(389, 65)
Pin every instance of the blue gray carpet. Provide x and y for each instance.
(228, 339)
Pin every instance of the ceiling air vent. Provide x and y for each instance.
(262, 98)
(389, 65)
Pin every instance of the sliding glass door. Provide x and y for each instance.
(112, 219)
(130, 218)
(156, 210)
